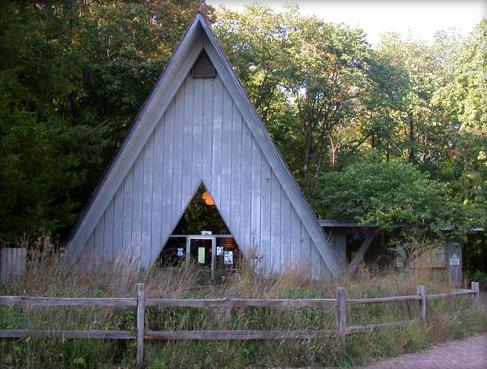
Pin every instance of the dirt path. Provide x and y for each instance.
(467, 354)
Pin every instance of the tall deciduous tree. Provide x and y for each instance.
(73, 75)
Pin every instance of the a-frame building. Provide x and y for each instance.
(199, 127)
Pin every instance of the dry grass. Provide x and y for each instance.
(48, 276)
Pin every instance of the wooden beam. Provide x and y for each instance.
(380, 300)
(341, 311)
(449, 294)
(422, 302)
(237, 335)
(67, 301)
(237, 302)
(140, 325)
(213, 256)
(374, 327)
(359, 256)
(476, 292)
(92, 334)
(188, 251)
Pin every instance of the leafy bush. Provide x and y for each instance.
(389, 194)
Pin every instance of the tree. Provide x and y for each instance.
(73, 75)
(462, 103)
(389, 194)
(305, 77)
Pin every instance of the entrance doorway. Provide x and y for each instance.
(202, 238)
(216, 254)
(202, 251)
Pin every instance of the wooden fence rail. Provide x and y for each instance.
(141, 302)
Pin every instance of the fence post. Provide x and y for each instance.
(341, 311)
(476, 291)
(140, 324)
(420, 290)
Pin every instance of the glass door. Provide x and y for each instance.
(201, 251)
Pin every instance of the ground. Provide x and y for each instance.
(466, 354)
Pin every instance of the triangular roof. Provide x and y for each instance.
(198, 37)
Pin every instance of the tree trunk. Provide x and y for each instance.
(307, 155)
(411, 140)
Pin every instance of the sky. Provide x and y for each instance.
(415, 18)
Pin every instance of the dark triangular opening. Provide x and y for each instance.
(203, 67)
(201, 237)
(201, 215)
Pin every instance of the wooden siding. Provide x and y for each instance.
(181, 133)
(12, 263)
(202, 138)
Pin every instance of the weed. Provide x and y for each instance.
(455, 318)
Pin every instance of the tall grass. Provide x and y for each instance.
(46, 276)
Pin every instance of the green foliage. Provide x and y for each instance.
(304, 103)
(389, 194)
(74, 74)
(72, 77)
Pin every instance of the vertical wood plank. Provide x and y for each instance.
(420, 290)
(286, 211)
(476, 289)
(245, 190)
(140, 324)
(265, 215)
(305, 258)
(3, 265)
(315, 257)
(18, 262)
(137, 207)
(89, 250)
(178, 142)
(167, 173)
(275, 224)
(213, 256)
(208, 92)
(7, 263)
(295, 249)
(226, 158)
(146, 231)
(188, 250)
(341, 311)
(23, 261)
(127, 214)
(118, 223)
(198, 143)
(256, 162)
(157, 193)
(11, 263)
(108, 232)
(236, 168)
(99, 238)
(187, 185)
(216, 170)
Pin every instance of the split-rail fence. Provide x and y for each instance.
(141, 302)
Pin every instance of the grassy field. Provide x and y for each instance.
(448, 319)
